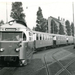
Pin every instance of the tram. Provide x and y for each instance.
(14, 43)
(18, 42)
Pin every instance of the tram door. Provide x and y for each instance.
(23, 43)
(30, 46)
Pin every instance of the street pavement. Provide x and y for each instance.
(38, 61)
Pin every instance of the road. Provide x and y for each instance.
(36, 63)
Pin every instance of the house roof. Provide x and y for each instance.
(55, 19)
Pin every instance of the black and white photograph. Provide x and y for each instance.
(37, 37)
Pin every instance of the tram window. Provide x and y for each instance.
(11, 36)
(40, 37)
(43, 37)
(24, 37)
(50, 37)
(37, 37)
(30, 34)
(47, 37)
(0, 36)
(30, 38)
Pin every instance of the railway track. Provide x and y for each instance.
(8, 70)
(35, 64)
(1, 68)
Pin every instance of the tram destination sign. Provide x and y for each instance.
(10, 29)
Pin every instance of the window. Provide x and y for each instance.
(30, 38)
(0, 36)
(43, 37)
(40, 37)
(11, 36)
(30, 34)
(48, 37)
(24, 37)
(36, 36)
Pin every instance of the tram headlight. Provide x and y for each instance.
(1, 49)
(17, 49)
(10, 23)
(20, 45)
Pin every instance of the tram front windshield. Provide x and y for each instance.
(11, 36)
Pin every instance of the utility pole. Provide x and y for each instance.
(73, 15)
(6, 13)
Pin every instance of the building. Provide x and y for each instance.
(57, 21)
(62, 21)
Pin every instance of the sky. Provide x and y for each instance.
(54, 8)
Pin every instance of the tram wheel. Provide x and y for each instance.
(22, 63)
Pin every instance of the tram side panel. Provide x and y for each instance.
(60, 40)
(57, 40)
(30, 49)
(30, 46)
(9, 49)
(74, 42)
(23, 51)
(43, 43)
(31, 41)
(39, 43)
(70, 39)
(63, 40)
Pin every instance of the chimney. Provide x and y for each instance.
(58, 18)
(61, 19)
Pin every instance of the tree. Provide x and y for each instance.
(41, 23)
(1, 22)
(54, 28)
(72, 29)
(61, 29)
(17, 11)
(68, 27)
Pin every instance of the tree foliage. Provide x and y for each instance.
(41, 23)
(72, 29)
(68, 27)
(54, 28)
(61, 29)
(17, 11)
(1, 22)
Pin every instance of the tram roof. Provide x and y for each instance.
(13, 25)
(16, 24)
(44, 33)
